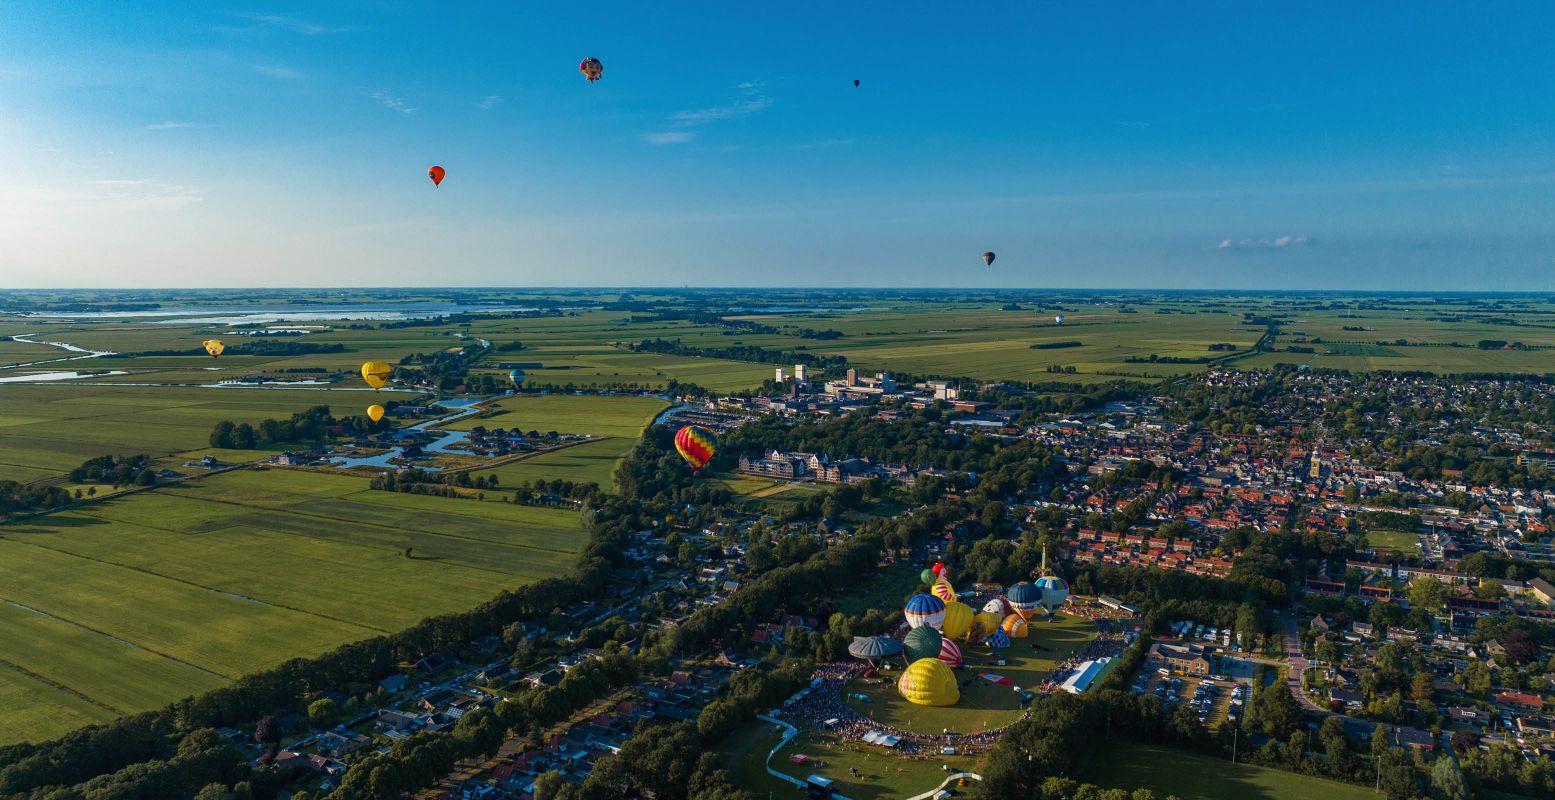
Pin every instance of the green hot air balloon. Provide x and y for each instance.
(922, 645)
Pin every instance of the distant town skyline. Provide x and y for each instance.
(1216, 146)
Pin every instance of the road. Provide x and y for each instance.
(1297, 664)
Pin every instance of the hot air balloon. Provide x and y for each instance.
(436, 173)
(939, 568)
(214, 347)
(950, 653)
(874, 648)
(516, 376)
(375, 412)
(591, 68)
(855, 83)
(1059, 319)
(985, 624)
(999, 606)
(921, 643)
(998, 640)
(924, 609)
(988, 258)
(1025, 598)
(1016, 627)
(376, 373)
(928, 577)
(696, 445)
(957, 621)
(928, 682)
(1055, 591)
(943, 590)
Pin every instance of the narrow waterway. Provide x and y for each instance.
(85, 353)
(466, 407)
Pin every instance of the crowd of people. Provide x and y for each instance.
(1110, 641)
(824, 708)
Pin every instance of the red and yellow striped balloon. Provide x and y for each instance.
(696, 445)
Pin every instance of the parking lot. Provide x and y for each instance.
(1216, 701)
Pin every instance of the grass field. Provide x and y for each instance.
(1131, 765)
(1394, 540)
(882, 775)
(620, 419)
(136, 601)
(983, 704)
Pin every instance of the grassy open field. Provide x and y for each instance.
(620, 419)
(1394, 540)
(1131, 765)
(132, 602)
(882, 774)
(983, 704)
(48, 429)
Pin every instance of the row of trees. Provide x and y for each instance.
(304, 427)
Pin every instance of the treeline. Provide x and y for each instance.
(304, 427)
(437, 484)
(1055, 345)
(257, 347)
(741, 352)
(17, 497)
(118, 471)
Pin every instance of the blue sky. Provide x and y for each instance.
(1151, 145)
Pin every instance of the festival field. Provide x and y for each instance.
(983, 704)
(1131, 765)
(133, 602)
(883, 775)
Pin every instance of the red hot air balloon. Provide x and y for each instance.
(696, 445)
(591, 68)
(436, 174)
(988, 258)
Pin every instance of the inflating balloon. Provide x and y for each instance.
(214, 347)
(929, 682)
(950, 653)
(696, 445)
(928, 577)
(921, 643)
(924, 609)
(436, 174)
(943, 590)
(375, 412)
(988, 258)
(957, 620)
(591, 68)
(376, 373)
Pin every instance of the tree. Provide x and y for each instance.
(1398, 782)
(216, 791)
(1428, 593)
(323, 712)
(1379, 740)
(1447, 782)
(268, 731)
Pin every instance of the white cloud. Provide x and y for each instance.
(131, 193)
(755, 101)
(1277, 243)
(392, 102)
(176, 126)
(667, 137)
(292, 24)
(283, 73)
(490, 101)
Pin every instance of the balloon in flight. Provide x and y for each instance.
(855, 83)
(214, 347)
(591, 68)
(376, 373)
(1059, 319)
(517, 376)
(696, 445)
(988, 258)
(436, 174)
(375, 412)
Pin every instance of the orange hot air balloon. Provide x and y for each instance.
(436, 174)
(214, 347)
(591, 68)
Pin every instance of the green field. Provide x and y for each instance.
(129, 603)
(882, 774)
(983, 704)
(1394, 540)
(620, 419)
(1131, 765)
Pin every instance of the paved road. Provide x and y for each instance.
(1298, 665)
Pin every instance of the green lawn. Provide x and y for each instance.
(983, 704)
(1393, 540)
(132, 602)
(883, 775)
(621, 419)
(1132, 765)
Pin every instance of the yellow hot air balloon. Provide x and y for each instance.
(1016, 627)
(375, 412)
(958, 619)
(929, 682)
(214, 347)
(376, 373)
(943, 590)
(984, 623)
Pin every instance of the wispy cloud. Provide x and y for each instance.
(171, 125)
(392, 101)
(1277, 243)
(489, 102)
(754, 100)
(136, 194)
(822, 143)
(275, 71)
(291, 24)
(667, 137)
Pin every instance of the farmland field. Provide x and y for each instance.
(1130, 765)
(620, 419)
(129, 603)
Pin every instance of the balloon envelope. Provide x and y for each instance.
(943, 590)
(928, 577)
(214, 347)
(516, 376)
(988, 258)
(375, 412)
(999, 640)
(1025, 598)
(1015, 626)
(924, 609)
(591, 68)
(696, 445)
(874, 648)
(950, 653)
(957, 620)
(985, 623)
(928, 682)
(921, 643)
(1055, 591)
(855, 83)
(376, 373)
(436, 174)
